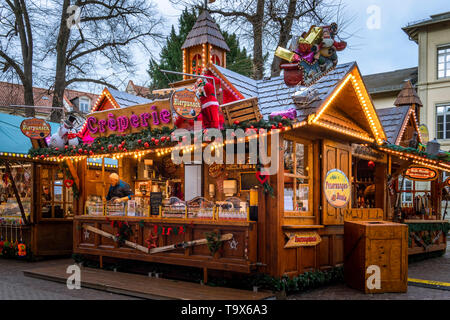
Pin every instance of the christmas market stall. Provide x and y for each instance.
(36, 202)
(262, 182)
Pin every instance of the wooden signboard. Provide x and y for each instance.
(155, 203)
(302, 239)
(35, 128)
(418, 173)
(186, 104)
(130, 119)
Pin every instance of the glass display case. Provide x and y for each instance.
(232, 209)
(115, 209)
(142, 208)
(94, 206)
(173, 207)
(200, 208)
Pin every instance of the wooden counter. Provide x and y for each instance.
(237, 255)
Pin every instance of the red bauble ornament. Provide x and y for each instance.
(42, 156)
(102, 148)
(236, 122)
(56, 149)
(157, 141)
(66, 147)
(139, 141)
(371, 164)
(91, 153)
(110, 146)
(273, 126)
(146, 145)
(163, 139)
(280, 124)
(80, 150)
(85, 152)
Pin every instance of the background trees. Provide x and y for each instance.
(171, 55)
(266, 24)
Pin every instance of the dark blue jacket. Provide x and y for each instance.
(122, 189)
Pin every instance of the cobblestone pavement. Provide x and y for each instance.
(14, 285)
(436, 269)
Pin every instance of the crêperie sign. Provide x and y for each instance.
(130, 119)
(35, 128)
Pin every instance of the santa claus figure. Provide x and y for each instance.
(211, 115)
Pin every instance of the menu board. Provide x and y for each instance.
(155, 202)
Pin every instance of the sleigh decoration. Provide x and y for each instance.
(311, 56)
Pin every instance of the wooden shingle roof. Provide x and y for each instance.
(205, 30)
(392, 120)
(408, 96)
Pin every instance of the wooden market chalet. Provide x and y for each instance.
(329, 126)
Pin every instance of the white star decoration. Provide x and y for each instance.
(233, 244)
(86, 234)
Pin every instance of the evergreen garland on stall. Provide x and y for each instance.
(150, 138)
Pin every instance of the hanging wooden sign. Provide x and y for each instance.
(186, 104)
(35, 128)
(302, 239)
(337, 188)
(132, 119)
(418, 173)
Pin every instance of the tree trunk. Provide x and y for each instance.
(257, 23)
(60, 73)
(285, 36)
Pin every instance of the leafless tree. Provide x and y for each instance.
(267, 24)
(101, 33)
(16, 45)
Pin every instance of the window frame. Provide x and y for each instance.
(66, 200)
(446, 113)
(309, 168)
(86, 100)
(446, 63)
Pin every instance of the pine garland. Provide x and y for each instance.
(146, 139)
(440, 157)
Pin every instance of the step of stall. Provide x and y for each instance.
(143, 286)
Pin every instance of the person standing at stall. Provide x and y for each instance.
(119, 191)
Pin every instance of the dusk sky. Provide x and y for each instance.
(383, 47)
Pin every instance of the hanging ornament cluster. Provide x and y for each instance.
(311, 56)
(11, 242)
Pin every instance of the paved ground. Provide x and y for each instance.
(14, 285)
(436, 269)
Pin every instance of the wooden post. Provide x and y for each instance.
(205, 275)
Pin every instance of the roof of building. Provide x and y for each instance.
(392, 120)
(391, 81)
(205, 30)
(274, 95)
(138, 90)
(12, 140)
(413, 28)
(125, 99)
(408, 96)
(12, 94)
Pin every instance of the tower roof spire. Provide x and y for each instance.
(407, 96)
(205, 30)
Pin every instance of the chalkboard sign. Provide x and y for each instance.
(155, 202)
(249, 180)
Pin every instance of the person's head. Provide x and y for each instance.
(113, 179)
(46, 189)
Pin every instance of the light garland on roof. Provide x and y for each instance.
(405, 123)
(418, 159)
(344, 131)
(367, 112)
(15, 155)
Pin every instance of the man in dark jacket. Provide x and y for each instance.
(119, 190)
